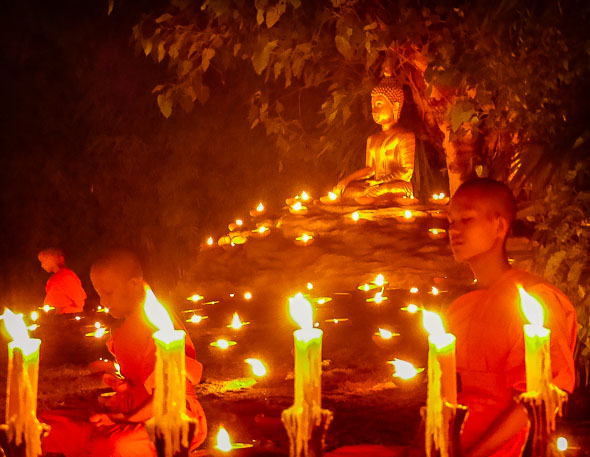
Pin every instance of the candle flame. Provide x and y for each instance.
(301, 311)
(355, 216)
(262, 229)
(435, 196)
(305, 238)
(156, 312)
(297, 206)
(195, 318)
(222, 344)
(97, 325)
(441, 195)
(236, 323)
(434, 290)
(414, 290)
(195, 298)
(366, 287)
(35, 316)
(47, 308)
(404, 370)
(408, 214)
(411, 308)
(239, 222)
(223, 441)
(210, 241)
(304, 196)
(533, 310)
(386, 334)
(380, 280)
(260, 207)
(432, 323)
(15, 326)
(379, 297)
(332, 196)
(258, 367)
(562, 444)
(100, 332)
(248, 295)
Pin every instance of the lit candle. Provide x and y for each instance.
(224, 444)
(355, 216)
(305, 413)
(442, 380)
(222, 343)
(437, 233)
(195, 298)
(386, 334)
(170, 376)
(304, 240)
(259, 210)
(21, 385)
(537, 340)
(404, 370)
(258, 368)
(236, 323)
(408, 216)
(298, 208)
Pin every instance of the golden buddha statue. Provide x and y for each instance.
(389, 155)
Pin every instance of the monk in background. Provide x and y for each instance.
(488, 323)
(117, 427)
(63, 290)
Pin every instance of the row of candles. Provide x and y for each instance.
(169, 406)
(296, 205)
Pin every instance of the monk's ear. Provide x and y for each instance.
(502, 226)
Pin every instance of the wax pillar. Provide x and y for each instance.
(21, 395)
(537, 358)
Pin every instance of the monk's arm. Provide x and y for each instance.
(504, 428)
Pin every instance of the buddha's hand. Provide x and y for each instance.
(339, 188)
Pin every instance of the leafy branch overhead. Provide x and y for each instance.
(506, 77)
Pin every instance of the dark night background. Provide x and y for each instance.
(88, 160)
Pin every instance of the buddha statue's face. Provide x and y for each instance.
(382, 110)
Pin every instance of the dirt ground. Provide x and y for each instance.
(369, 405)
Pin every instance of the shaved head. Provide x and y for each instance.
(491, 195)
(124, 262)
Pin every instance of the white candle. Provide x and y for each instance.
(442, 382)
(21, 385)
(170, 375)
(537, 345)
(306, 412)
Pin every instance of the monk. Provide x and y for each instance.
(488, 323)
(117, 428)
(63, 290)
(389, 158)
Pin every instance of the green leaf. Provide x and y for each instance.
(165, 104)
(261, 57)
(343, 47)
(147, 46)
(110, 7)
(163, 18)
(260, 16)
(208, 54)
(278, 66)
(295, 3)
(272, 16)
(161, 51)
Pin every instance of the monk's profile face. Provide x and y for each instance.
(49, 262)
(120, 294)
(474, 231)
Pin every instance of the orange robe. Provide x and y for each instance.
(488, 324)
(64, 292)
(133, 347)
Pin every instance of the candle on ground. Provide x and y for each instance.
(306, 412)
(21, 385)
(442, 381)
(169, 408)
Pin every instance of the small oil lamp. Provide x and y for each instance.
(298, 208)
(437, 233)
(236, 323)
(404, 370)
(305, 239)
(222, 343)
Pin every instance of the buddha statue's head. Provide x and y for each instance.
(387, 99)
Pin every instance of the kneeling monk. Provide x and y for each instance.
(118, 430)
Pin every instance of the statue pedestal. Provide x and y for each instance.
(301, 443)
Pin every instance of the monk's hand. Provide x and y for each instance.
(101, 420)
(115, 382)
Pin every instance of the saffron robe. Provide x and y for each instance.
(488, 324)
(133, 347)
(64, 292)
